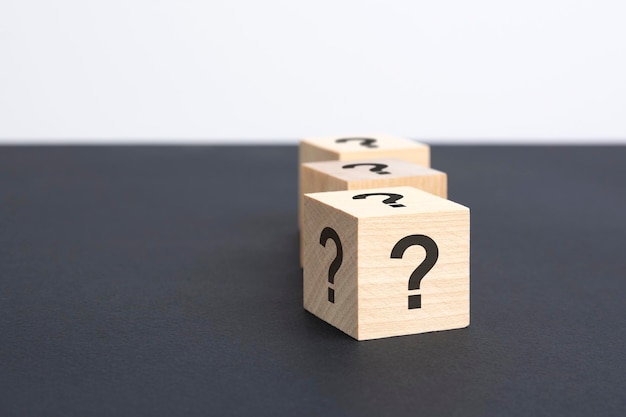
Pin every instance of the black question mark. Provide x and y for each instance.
(367, 142)
(378, 168)
(329, 233)
(390, 201)
(432, 254)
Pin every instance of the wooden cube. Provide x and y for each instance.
(339, 148)
(369, 173)
(386, 262)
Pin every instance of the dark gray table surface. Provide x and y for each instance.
(158, 281)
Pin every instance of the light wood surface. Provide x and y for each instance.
(348, 148)
(371, 286)
(369, 173)
(366, 174)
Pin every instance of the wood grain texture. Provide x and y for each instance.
(382, 282)
(317, 260)
(342, 175)
(384, 146)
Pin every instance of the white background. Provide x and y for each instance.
(196, 71)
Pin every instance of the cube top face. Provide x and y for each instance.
(371, 170)
(346, 148)
(399, 274)
(386, 202)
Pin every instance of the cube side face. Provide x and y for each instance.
(325, 230)
(308, 152)
(395, 253)
(419, 154)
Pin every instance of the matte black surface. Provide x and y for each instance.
(158, 281)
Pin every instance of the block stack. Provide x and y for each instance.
(384, 253)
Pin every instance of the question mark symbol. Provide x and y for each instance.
(326, 234)
(432, 254)
(367, 142)
(378, 168)
(390, 201)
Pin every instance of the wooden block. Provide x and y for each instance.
(338, 148)
(386, 262)
(369, 173)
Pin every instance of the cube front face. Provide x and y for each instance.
(428, 252)
(363, 147)
(405, 268)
